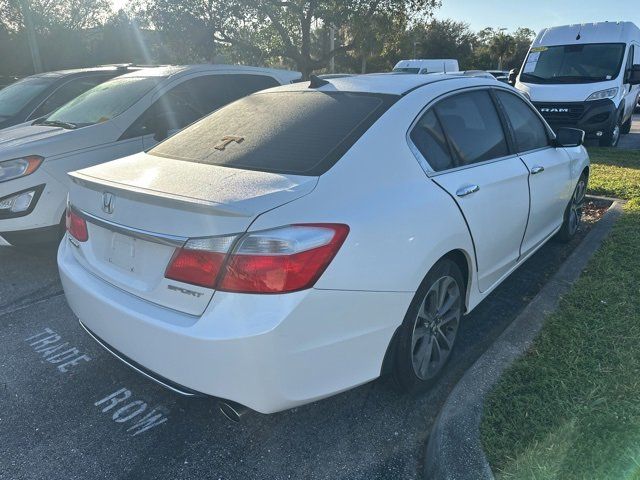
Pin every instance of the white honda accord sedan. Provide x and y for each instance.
(309, 238)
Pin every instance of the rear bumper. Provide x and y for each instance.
(592, 117)
(268, 352)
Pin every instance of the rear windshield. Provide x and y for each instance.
(300, 133)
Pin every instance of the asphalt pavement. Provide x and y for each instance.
(68, 410)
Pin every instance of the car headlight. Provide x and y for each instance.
(602, 94)
(19, 167)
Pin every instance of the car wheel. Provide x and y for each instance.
(611, 137)
(573, 213)
(626, 127)
(428, 332)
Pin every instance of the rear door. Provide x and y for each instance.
(549, 168)
(463, 140)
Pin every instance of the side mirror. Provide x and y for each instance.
(633, 75)
(513, 75)
(569, 137)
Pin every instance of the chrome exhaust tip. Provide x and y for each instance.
(232, 411)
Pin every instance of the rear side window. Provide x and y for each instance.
(528, 129)
(301, 132)
(429, 139)
(471, 123)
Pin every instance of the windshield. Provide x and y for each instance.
(407, 70)
(302, 133)
(102, 102)
(593, 62)
(17, 95)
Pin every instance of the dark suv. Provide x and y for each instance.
(40, 94)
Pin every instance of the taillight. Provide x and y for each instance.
(76, 225)
(199, 261)
(281, 260)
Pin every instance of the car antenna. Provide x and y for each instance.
(317, 82)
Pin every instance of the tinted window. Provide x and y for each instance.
(593, 62)
(429, 139)
(195, 98)
(17, 96)
(527, 128)
(301, 132)
(66, 93)
(473, 127)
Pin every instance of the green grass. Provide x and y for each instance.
(570, 408)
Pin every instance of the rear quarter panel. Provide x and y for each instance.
(400, 221)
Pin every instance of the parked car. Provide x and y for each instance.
(500, 75)
(38, 95)
(302, 241)
(6, 80)
(117, 118)
(585, 76)
(432, 65)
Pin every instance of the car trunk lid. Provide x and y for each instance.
(141, 209)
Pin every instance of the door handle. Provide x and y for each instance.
(537, 169)
(467, 190)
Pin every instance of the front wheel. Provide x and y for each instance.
(626, 127)
(429, 330)
(573, 213)
(611, 136)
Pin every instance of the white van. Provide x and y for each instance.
(434, 65)
(585, 76)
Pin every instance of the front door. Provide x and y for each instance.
(463, 140)
(549, 169)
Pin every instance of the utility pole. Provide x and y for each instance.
(332, 43)
(31, 36)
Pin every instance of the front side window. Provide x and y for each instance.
(529, 131)
(17, 96)
(471, 123)
(103, 102)
(592, 62)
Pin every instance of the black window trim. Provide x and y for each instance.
(424, 163)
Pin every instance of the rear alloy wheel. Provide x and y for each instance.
(573, 213)
(429, 330)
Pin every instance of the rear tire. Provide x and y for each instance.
(429, 330)
(573, 213)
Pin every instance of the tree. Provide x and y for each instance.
(286, 29)
(445, 39)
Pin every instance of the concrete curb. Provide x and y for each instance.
(454, 451)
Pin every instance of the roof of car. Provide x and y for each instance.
(178, 70)
(381, 83)
(92, 70)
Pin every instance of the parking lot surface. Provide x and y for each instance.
(70, 410)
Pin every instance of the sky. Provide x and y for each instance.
(538, 14)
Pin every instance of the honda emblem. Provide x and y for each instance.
(108, 201)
